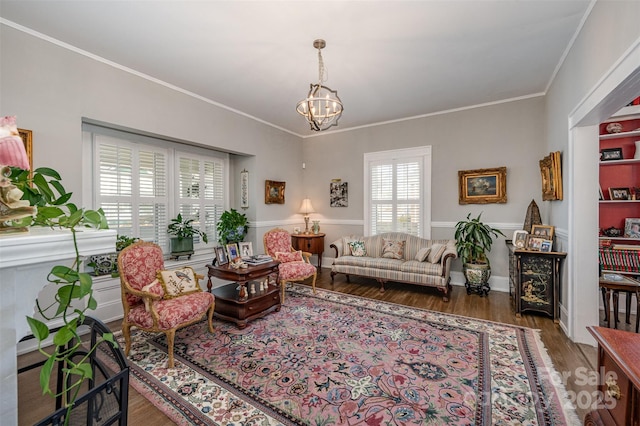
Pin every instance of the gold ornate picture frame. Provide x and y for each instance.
(27, 140)
(482, 186)
(274, 192)
(550, 171)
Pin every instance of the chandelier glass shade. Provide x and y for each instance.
(322, 108)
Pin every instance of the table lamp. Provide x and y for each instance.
(305, 209)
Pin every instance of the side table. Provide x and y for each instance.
(610, 283)
(312, 243)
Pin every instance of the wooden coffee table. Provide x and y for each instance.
(235, 302)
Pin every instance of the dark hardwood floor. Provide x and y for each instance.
(570, 359)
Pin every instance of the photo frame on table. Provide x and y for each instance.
(519, 239)
(609, 154)
(619, 194)
(482, 186)
(221, 256)
(232, 251)
(546, 246)
(274, 192)
(543, 231)
(632, 227)
(534, 243)
(27, 140)
(244, 189)
(246, 249)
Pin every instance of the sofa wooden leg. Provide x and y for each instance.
(333, 274)
(381, 286)
(446, 290)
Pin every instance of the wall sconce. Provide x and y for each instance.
(305, 209)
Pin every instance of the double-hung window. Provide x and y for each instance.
(397, 191)
(141, 182)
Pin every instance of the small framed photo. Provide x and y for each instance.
(542, 231)
(609, 154)
(519, 239)
(619, 193)
(632, 227)
(246, 249)
(221, 255)
(296, 230)
(601, 194)
(232, 251)
(534, 243)
(546, 246)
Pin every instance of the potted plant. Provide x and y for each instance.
(183, 232)
(74, 295)
(232, 227)
(473, 242)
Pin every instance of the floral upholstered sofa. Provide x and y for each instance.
(396, 257)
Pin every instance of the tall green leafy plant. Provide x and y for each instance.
(45, 191)
(474, 239)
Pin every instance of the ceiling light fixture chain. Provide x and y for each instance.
(322, 108)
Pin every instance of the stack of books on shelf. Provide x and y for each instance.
(624, 260)
(258, 259)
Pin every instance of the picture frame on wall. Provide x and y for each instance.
(550, 171)
(482, 186)
(274, 192)
(244, 189)
(27, 140)
(338, 193)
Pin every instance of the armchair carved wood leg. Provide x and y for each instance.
(171, 337)
(126, 333)
(313, 283)
(210, 317)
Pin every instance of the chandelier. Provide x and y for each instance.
(322, 107)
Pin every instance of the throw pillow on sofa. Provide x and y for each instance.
(422, 254)
(393, 249)
(346, 247)
(437, 250)
(357, 248)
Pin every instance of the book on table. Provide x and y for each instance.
(257, 259)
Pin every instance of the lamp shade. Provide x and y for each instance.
(306, 206)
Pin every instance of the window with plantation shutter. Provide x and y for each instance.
(141, 182)
(201, 192)
(397, 191)
(132, 188)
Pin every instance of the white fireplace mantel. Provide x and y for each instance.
(25, 261)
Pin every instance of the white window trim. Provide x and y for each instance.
(425, 153)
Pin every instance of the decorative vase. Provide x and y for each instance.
(637, 154)
(316, 227)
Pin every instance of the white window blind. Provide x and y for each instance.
(201, 192)
(141, 182)
(132, 187)
(397, 191)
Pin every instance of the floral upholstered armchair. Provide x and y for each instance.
(294, 265)
(157, 300)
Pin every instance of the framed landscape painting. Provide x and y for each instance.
(482, 186)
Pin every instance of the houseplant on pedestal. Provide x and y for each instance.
(182, 240)
(232, 227)
(74, 296)
(473, 242)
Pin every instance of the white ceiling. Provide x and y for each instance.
(388, 60)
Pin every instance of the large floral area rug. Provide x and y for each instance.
(336, 359)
